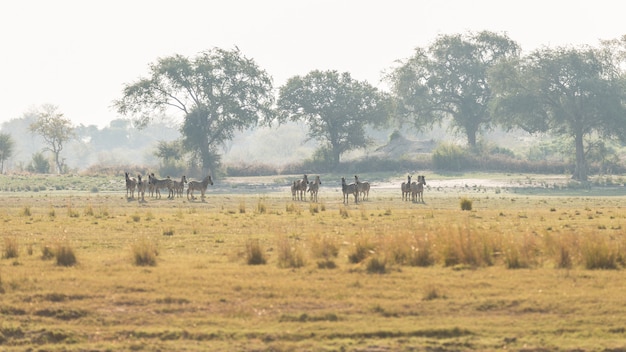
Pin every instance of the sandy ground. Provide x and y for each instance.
(282, 183)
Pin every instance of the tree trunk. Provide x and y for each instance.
(580, 170)
(471, 136)
(56, 160)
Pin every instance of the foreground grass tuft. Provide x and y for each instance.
(254, 253)
(11, 248)
(65, 255)
(144, 253)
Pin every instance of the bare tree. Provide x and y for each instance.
(55, 130)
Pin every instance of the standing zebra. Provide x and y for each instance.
(301, 186)
(314, 187)
(131, 183)
(159, 184)
(417, 189)
(294, 190)
(198, 186)
(347, 190)
(406, 188)
(362, 187)
(141, 188)
(176, 188)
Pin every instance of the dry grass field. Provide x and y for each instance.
(252, 270)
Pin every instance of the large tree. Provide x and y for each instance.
(336, 108)
(449, 80)
(55, 130)
(573, 92)
(217, 93)
(6, 149)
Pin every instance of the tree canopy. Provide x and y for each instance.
(449, 79)
(217, 93)
(336, 108)
(55, 129)
(573, 92)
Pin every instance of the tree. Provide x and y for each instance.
(55, 130)
(449, 79)
(336, 108)
(575, 92)
(6, 149)
(218, 92)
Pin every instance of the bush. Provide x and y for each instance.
(466, 204)
(362, 249)
(449, 157)
(65, 255)
(145, 253)
(11, 248)
(254, 253)
(597, 254)
(47, 252)
(289, 255)
(325, 249)
(376, 266)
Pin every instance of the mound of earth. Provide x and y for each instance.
(401, 146)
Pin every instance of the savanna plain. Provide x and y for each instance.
(250, 269)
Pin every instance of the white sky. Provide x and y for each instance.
(77, 54)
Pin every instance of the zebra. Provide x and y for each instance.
(417, 189)
(131, 183)
(314, 187)
(198, 186)
(347, 190)
(362, 187)
(159, 184)
(301, 186)
(406, 188)
(294, 190)
(176, 188)
(141, 188)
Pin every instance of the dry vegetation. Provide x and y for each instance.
(253, 272)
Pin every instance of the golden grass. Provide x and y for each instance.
(521, 272)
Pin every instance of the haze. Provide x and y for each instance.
(78, 54)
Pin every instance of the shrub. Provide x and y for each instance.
(449, 157)
(11, 248)
(597, 254)
(168, 232)
(261, 208)
(376, 265)
(466, 204)
(26, 211)
(65, 255)
(325, 249)
(289, 255)
(422, 253)
(144, 253)
(254, 253)
(362, 249)
(47, 252)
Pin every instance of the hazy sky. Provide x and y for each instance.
(78, 54)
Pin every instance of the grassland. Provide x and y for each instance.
(519, 271)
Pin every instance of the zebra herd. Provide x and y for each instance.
(358, 189)
(155, 185)
(299, 188)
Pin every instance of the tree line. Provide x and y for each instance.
(475, 81)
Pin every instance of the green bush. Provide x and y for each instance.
(449, 157)
(466, 204)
